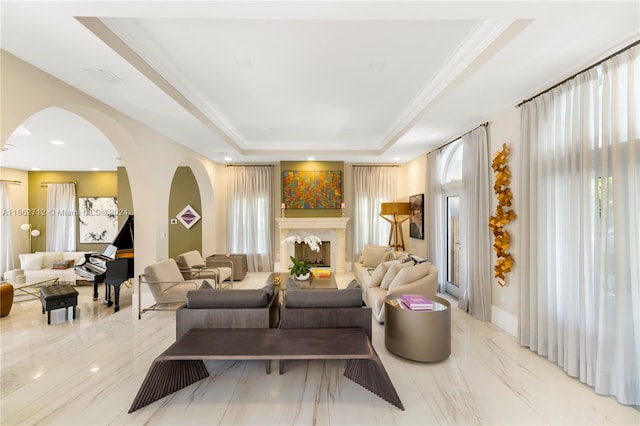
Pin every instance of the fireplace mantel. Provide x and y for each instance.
(337, 226)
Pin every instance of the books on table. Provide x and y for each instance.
(321, 273)
(416, 301)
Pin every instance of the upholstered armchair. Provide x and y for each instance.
(193, 266)
(167, 284)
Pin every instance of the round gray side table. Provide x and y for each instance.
(419, 335)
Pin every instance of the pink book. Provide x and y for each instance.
(416, 301)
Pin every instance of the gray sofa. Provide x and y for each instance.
(325, 309)
(233, 308)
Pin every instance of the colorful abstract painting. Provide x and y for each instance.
(312, 190)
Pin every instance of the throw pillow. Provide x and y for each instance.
(62, 264)
(410, 274)
(48, 257)
(31, 262)
(391, 274)
(372, 255)
(378, 274)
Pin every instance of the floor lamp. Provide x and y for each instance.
(395, 210)
(32, 232)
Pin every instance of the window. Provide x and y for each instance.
(452, 189)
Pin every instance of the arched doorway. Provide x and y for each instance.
(57, 145)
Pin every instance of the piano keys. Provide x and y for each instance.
(113, 266)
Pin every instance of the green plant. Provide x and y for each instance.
(299, 267)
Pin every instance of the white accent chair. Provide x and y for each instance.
(168, 286)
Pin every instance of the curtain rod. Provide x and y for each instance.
(53, 183)
(14, 182)
(250, 165)
(580, 72)
(375, 165)
(458, 137)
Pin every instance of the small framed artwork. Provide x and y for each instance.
(416, 222)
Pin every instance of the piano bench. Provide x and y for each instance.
(58, 297)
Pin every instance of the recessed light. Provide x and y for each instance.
(35, 169)
(57, 142)
(95, 169)
(311, 158)
(396, 158)
(228, 158)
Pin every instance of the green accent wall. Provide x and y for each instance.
(184, 191)
(88, 184)
(311, 166)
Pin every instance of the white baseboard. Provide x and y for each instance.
(504, 320)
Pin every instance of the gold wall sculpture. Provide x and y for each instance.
(504, 214)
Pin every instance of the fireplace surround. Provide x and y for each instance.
(332, 229)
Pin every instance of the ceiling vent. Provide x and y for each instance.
(101, 75)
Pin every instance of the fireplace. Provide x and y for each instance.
(329, 229)
(316, 259)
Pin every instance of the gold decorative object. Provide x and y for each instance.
(503, 215)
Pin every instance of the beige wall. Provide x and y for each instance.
(150, 158)
(504, 128)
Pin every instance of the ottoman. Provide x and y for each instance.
(57, 297)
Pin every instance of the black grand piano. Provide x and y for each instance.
(113, 266)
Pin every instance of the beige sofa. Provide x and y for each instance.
(40, 266)
(406, 275)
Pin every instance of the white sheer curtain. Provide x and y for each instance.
(6, 233)
(61, 217)
(434, 218)
(580, 281)
(373, 185)
(475, 240)
(249, 214)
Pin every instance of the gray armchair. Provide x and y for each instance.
(193, 266)
(325, 308)
(235, 308)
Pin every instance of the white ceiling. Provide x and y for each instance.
(263, 81)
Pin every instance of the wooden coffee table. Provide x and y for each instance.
(315, 283)
(182, 364)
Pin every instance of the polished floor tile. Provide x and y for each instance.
(88, 370)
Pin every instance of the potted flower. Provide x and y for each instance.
(299, 268)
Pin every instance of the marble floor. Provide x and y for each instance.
(87, 372)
